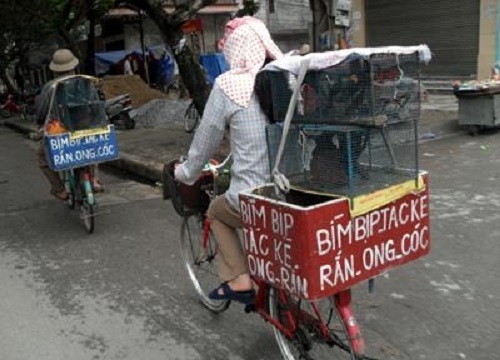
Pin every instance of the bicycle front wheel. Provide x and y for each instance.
(320, 333)
(88, 204)
(88, 217)
(191, 118)
(199, 251)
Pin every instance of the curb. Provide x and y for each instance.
(153, 170)
(149, 169)
(19, 127)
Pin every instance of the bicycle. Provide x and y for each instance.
(78, 183)
(323, 329)
(77, 137)
(191, 118)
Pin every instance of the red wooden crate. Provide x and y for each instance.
(318, 250)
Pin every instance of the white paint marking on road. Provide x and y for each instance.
(398, 296)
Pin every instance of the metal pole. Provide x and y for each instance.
(90, 68)
(145, 62)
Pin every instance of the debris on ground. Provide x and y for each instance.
(140, 92)
(160, 113)
(428, 136)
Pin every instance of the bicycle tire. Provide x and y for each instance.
(191, 118)
(87, 207)
(200, 261)
(307, 342)
(88, 217)
(69, 184)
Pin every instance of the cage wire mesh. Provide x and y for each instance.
(358, 132)
(77, 104)
(382, 89)
(346, 160)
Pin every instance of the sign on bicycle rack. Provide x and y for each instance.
(313, 247)
(87, 147)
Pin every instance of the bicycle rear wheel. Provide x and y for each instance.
(199, 253)
(191, 118)
(69, 184)
(320, 334)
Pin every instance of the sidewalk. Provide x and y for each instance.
(143, 151)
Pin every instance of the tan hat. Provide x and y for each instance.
(305, 49)
(63, 60)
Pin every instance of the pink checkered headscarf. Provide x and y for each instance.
(246, 45)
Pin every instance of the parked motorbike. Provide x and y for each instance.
(9, 107)
(23, 104)
(118, 111)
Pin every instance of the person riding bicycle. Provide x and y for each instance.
(232, 103)
(63, 63)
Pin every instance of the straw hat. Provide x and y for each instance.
(63, 60)
(305, 49)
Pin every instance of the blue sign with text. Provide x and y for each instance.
(67, 151)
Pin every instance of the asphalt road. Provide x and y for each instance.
(122, 292)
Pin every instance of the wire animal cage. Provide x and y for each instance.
(78, 106)
(356, 131)
(346, 160)
(384, 88)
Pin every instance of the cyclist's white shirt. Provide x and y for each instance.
(247, 129)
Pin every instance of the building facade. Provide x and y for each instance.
(289, 22)
(462, 34)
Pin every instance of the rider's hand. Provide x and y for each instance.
(177, 170)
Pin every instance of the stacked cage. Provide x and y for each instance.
(78, 105)
(356, 129)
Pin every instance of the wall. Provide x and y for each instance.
(357, 30)
(213, 26)
(289, 23)
(213, 30)
(490, 21)
(152, 35)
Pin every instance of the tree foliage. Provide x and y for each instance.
(29, 24)
(249, 7)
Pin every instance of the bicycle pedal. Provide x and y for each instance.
(250, 308)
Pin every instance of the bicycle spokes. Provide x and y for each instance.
(313, 330)
(199, 252)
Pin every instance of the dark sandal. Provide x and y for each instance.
(246, 297)
(63, 196)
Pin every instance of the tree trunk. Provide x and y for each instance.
(6, 81)
(193, 77)
(190, 71)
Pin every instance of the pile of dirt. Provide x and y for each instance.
(140, 92)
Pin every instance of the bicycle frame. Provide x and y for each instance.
(80, 181)
(342, 302)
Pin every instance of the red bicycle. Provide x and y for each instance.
(316, 329)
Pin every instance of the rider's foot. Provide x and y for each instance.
(224, 292)
(239, 289)
(98, 186)
(61, 195)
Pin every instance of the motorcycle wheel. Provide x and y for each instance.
(130, 124)
(124, 122)
(5, 113)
